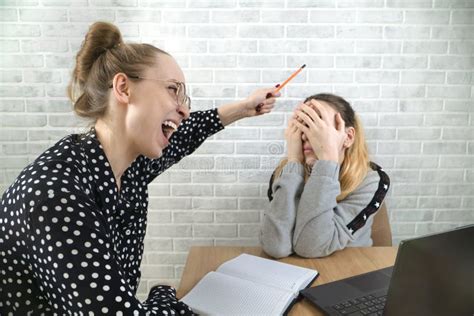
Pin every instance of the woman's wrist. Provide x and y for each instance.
(231, 112)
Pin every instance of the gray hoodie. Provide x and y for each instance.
(307, 220)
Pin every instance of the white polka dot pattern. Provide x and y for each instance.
(70, 243)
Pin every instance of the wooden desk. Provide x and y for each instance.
(339, 265)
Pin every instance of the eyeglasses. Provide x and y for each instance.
(179, 90)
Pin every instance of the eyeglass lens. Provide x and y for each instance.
(181, 95)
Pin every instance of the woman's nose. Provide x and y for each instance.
(184, 111)
(304, 138)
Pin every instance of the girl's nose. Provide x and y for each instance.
(304, 138)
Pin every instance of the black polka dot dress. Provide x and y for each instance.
(71, 243)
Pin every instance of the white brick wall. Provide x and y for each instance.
(406, 65)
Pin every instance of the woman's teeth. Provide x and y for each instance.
(168, 128)
(171, 124)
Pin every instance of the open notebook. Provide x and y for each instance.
(249, 285)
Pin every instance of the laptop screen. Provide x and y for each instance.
(434, 275)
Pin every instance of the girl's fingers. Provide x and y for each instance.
(303, 128)
(322, 112)
(340, 124)
(292, 128)
(305, 118)
(290, 124)
(312, 113)
(298, 108)
(295, 126)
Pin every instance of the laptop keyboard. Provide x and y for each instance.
(370, 305)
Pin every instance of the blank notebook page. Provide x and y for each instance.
(268, 272)
(220, 294)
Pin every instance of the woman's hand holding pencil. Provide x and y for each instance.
(280, 86)
(263, 99)
(232, 112)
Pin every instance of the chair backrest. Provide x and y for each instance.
(381, 232)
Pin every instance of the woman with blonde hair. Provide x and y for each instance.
(73, 223)
(323, 195)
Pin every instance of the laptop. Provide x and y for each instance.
(432, 275)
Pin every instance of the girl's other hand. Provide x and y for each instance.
(294, 143)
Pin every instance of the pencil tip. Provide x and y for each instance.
(304, 65)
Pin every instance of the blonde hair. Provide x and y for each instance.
(355, 166)
(103, 54)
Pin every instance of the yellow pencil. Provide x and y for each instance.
(280, 86)
(289, 78)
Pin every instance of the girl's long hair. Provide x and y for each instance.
(355, 166)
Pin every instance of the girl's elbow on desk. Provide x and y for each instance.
(276, 252)
(311, 253)
(313, 247)
(304, 251)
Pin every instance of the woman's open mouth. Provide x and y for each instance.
(168, 128)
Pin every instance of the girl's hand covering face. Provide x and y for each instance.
(324, 130)
(293, 140)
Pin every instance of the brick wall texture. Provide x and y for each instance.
(405, 65)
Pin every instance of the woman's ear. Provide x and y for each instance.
(350, 137)
(121, 88)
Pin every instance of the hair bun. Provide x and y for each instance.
(101, 37)
(102, 55)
